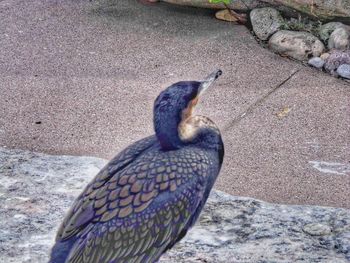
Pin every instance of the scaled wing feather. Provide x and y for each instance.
(134, 213)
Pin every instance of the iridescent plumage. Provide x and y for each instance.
(146, 198)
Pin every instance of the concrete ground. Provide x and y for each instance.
(80, 77)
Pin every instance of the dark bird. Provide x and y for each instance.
(147, 197)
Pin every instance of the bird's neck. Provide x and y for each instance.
(166, 127)
(178, 128)
(200, 131)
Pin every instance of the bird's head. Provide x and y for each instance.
(173, 110)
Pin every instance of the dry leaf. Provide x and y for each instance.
(283, 112)
(225, 15)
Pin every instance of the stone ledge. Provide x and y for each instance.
(321, 10)
(37, 189)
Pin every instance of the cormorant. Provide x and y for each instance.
(147, 197)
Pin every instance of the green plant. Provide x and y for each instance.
(226, 2)
(302, 24)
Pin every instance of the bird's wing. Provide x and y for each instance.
(139, 211)
(143, 238)
(82, 212)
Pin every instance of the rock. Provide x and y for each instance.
(324, 56)
(316, 62)
(234, 4)
(37, 189)
(339, 39)
(265, 21)
(335, 59)
(344, 71)
(317, 229)
(225, 15)
(322, 10)
(298, 45)
(327, 29)
(35, 192)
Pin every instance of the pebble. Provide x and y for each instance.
(324, 56)
(317, 229)
(335, 59)
(344, 71)
(339, 39)
(327, 29)
(265, 21)
(298, 45)
(316, 62)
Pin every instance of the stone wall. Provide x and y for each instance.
(318, 9)
(37, 189)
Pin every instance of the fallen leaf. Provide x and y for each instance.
(225, 15)
(283, 112)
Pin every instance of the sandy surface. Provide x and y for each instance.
(79, 77)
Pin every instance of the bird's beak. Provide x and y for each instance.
(205, 84)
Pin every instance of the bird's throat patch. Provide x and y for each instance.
(187, 112)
